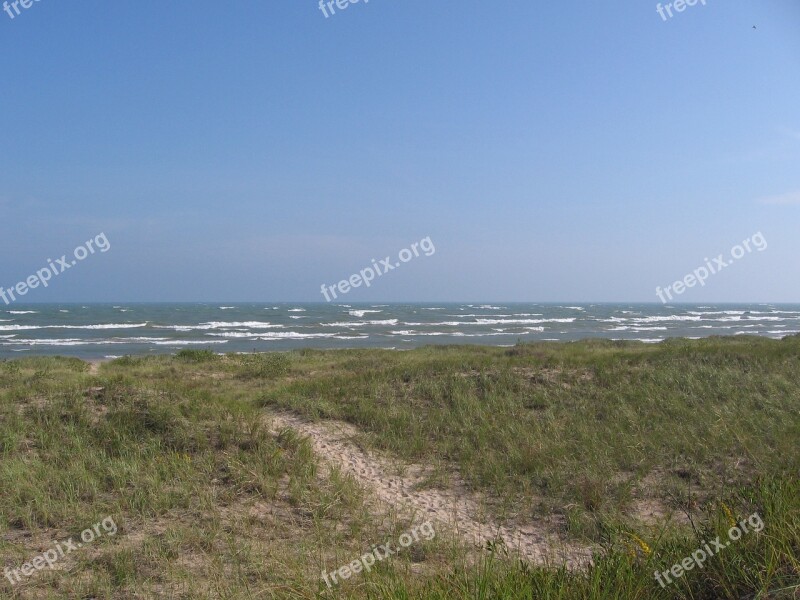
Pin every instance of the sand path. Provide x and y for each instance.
(397, 486)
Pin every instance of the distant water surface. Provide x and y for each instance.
(93, 331)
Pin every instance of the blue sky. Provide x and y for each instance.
(585, 151)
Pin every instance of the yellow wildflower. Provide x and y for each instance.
(642, 544)
(729, 514)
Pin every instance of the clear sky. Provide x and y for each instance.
(251, 151)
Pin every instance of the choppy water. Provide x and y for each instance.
(104, 330)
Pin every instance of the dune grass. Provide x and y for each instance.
(595, 424)
(643, 451)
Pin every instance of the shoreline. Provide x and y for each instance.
(550, 342)
(103, 332)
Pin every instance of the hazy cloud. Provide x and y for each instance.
(783, 199)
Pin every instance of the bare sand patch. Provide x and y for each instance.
(399, 487)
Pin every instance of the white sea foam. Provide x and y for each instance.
(359, 323)
(81, 342)
(294, 335)
(49, 342)
(497, 315)
(662, 319)
(221, 325)
(104, 326)
(447, 333)
(361, 313)
(521, 321)
(717, 312)
(250, 324)
(428, 333)
(281, 335)
(234, 334)
(22, 312)
(490, 322)
(296, 310)
(190, 342)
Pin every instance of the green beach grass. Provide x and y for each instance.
(640, 452)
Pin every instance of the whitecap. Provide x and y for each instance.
(189, 342)
(361, 313)
(287, 335)
(490, 322)
(669, 318)
(104, 326)
(521, 321)
(359, 323)
(50, 342)
(220, 325)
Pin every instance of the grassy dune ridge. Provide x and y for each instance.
(642, 451)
